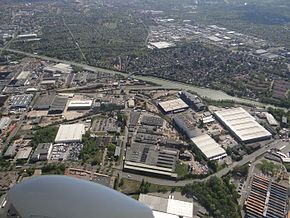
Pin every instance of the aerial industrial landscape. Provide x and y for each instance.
(167, 102)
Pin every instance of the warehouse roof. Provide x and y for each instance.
(209, 147)
(242, 124)
(168, 205)
(21, 101)
(271, 119)
(80, 103)
(44, 102)
(158, 214)
(4, 122)
(58, 103)
(172, 105)
(70, 133)
(23, 153)
(23, 75)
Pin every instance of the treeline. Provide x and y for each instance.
(217, 195)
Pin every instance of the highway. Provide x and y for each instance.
(162, 83)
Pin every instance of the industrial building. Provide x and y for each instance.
(23, 75)
(266, 199)
(4, 123)
(152, 121)
(70, 133)
(59, 68)
(134, 118)
(10, 152)
(173, 106)
(144, 158)
(131, 103)
(167, 207)
(242, 125)
(23, 153)
(80, 105)
(43, 102)
(192, 100)
(271, 120)
(185, 125)
(3, 98)
(58, 105)
(20, 101)
(42, 152)
(209, 147)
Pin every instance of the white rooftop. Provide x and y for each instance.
(167, 207)
(80, 103)
(70, 133)
(209, 147)
(158, 214)
(4, 122)
(172, 105)
(242, 124)
(271, 119)
(23, 75)
(161, 45)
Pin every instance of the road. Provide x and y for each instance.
(167, 84)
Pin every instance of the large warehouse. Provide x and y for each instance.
(80, 105)
(70, 133)
(209, 147)
(168, 207)
(173, 106)
(242, 125)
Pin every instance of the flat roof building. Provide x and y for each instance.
(4, 123)
(70, 133)
(58, 105)
(42, 152)
(80, 105)
(10, 152)
(209, 147)
(186, 125)
(23, 75)
(152, 121)
(266, 199)
(23, 153)
(146, 159)
(192, 100)
(167, 207)
(44, 102)
(173, 106)
(271, 119)
(242, 125)
(20, 101)
(59, 68)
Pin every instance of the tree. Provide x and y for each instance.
(144, 187)
(44, 135)
(218, 196)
